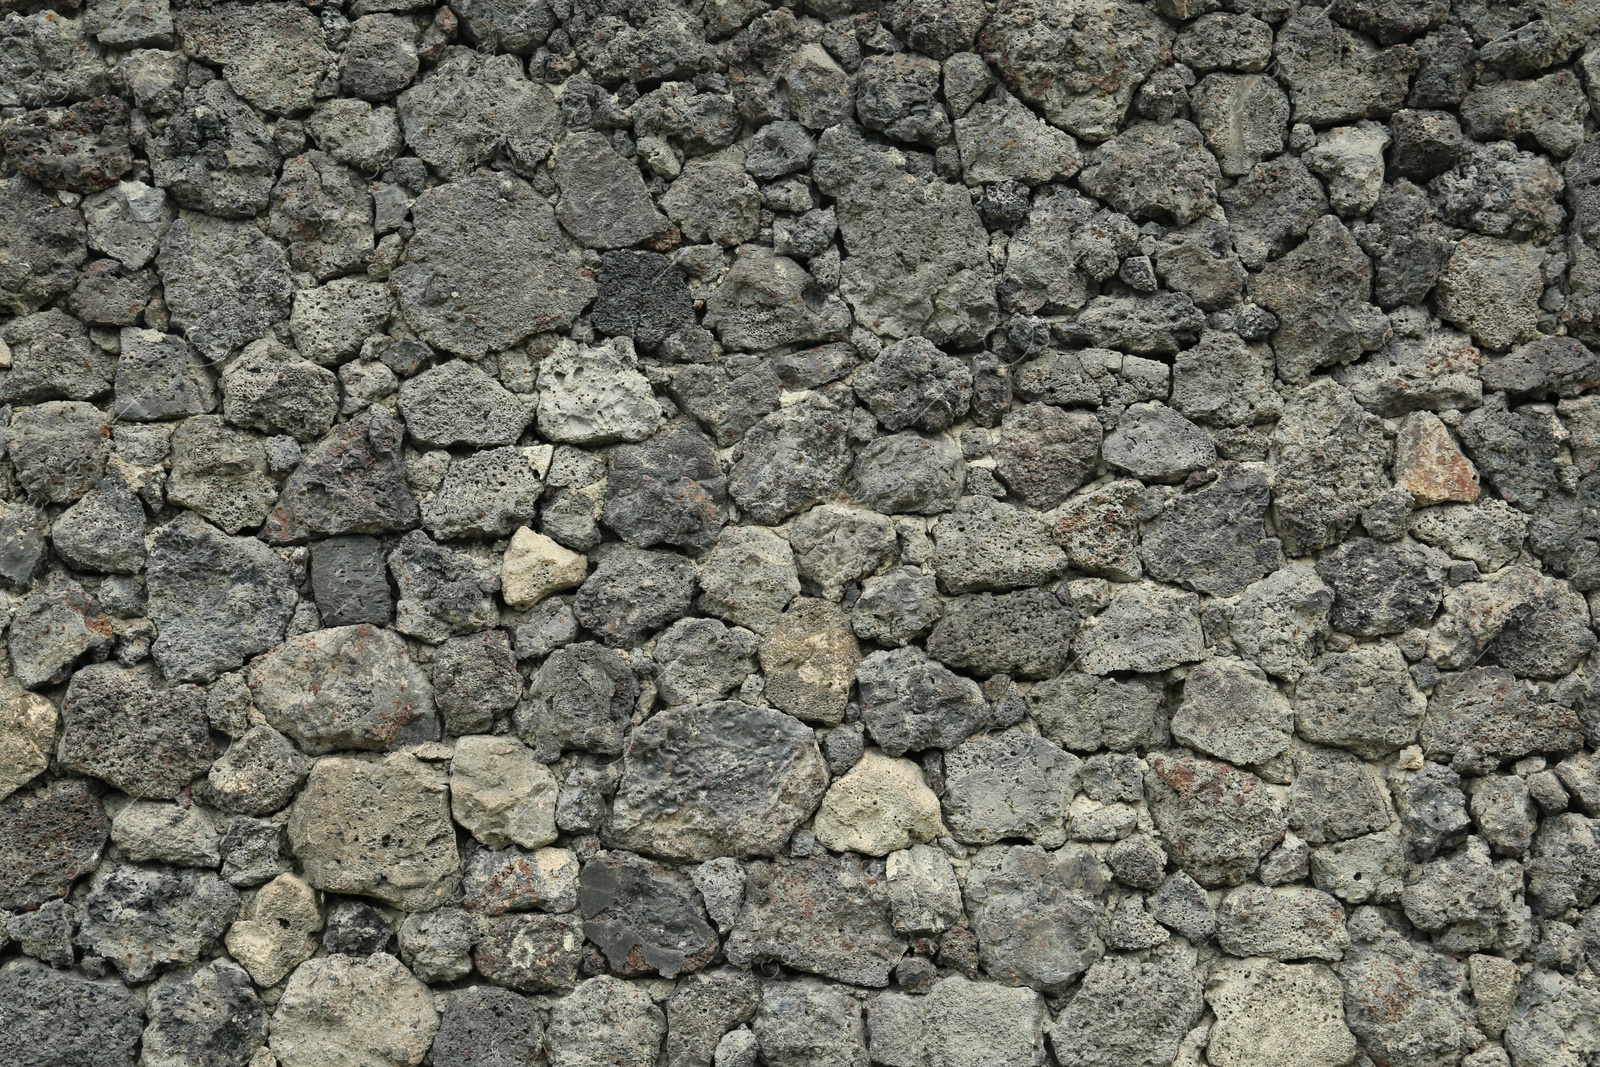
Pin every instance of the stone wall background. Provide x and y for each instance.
(926, 533)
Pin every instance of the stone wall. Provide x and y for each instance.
(924, 533)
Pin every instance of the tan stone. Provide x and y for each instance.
(1494, 988)
(377, 828)
(535, 566)
(27, 733)
(1270, 1014)
(274, 932)
(501, 794)
(1429, 465)
(810, 658)
(353, 1013)
(881, 805)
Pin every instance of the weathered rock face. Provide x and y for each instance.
(680, 798)
(717, 533)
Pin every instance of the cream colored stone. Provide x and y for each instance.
(535, 566)
(881, 805)
(353, 1013)
(1494, 988)
(274, 932)
(164, 832)
(27, 732)
(1270, 1014)
(501, 794)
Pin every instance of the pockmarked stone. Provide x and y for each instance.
(371, 1012)
(145, 919)
(753, 775)
(1219, 822)
(495, 882)
(350, 482)
(1266, 1010)
(582, 697)
(215, 600)
(824, 916)
(378, 828)
(350, 687)
(122, 726)
(210, 1016)
(487, 267)
(530, 953)
(501, 794)
(983, 1024)
(881, 805)
(1039, 915)
(51, 1018)
(604, 1020)
(1131, 1011)
(809, 659)
(277, 930)
(53, 835)
(1010, 785)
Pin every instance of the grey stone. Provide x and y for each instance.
(1039, 916)
(1026, 634)
(220, 473)
(146, 919)
(1266, 1010)
(350, 687)
(39, 257)
(1363, 700)
(487, 1027)
(51, 1018)
(804, 1021)
(908, 473)
(978, 1023)
(1079, 61)
(159, 376)
(121, 727)
(348, 581)
(1130, 1010)
(487, 494)
(378, 828)
(790, 460)
(53, 835)
(1218, 822)
(215, 155)
(1011, 785)
(1084, 713)
(350, 482)
(985, 545)
(755, 787)
(823, 916)
(1382, 589)
(226, 283)
(1335, 796)
(1154, 171)
(1487, 712)
(633, 592)
(1145, 628)
(1232, 711)
(917, 261)
(495, 244)
(911, 383)
(767, 300)
(442, 592)
(336, 1002)
(1324, 440)
(215, 600)
(52, 359)
(210, 1017)
(748, 578)
(645, 917)
(909, 703)
(58, 449)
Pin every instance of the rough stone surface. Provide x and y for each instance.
(720, 533)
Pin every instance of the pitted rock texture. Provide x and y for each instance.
(800, 533)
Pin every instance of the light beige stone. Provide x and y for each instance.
(1494, 989)
(1270, 1014)
(353, 1013)
(275, 931)
(27, 733)
(378, 828)
(810, 658)
(535, 566)
(501, 794)
(881, 805)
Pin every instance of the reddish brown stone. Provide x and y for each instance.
(48, 837)
(531, 953)
(1429, 465)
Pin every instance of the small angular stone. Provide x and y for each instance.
(645, 917)
(121, 727)
(1039, 916)
(1011, 785)
(501, 794)
(809, 658)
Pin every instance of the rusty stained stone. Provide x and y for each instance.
(48, 837)
(83, 148)
(1429, 464)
